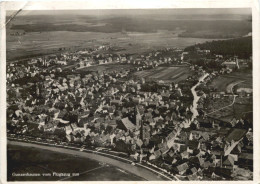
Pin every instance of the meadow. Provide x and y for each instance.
(137, 33)
(40, 43)
(239, 79)
(106, 67)
(167, 74)
(236, 111)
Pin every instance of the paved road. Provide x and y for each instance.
(138, 171)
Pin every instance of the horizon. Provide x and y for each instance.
(170, 11)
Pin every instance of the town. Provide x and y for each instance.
(163, 108)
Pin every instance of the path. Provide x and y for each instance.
(234, 98)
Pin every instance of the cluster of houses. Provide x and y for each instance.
(149, 121)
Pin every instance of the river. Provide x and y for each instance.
(135, 170)
(196, 97)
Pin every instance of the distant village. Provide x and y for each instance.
(153, 122)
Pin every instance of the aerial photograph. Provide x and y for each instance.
(129, 95)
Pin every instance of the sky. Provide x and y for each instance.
(189, 11)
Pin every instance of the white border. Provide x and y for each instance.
(134, 4)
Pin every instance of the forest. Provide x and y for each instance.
(241, 47)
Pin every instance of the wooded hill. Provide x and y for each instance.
(241, 47)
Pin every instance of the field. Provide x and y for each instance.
(239, 109)
(228, 81)
(32, 160)
(34, 34)
(199, 26)
(39, 43)
(167, 74)
(106, 67)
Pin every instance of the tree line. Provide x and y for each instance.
(241, 47)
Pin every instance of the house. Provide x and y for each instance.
(182, 168)
(229, 161)
(194, 170)
(163, 147)
(219, 56)
(245, 91)
(68, 129)
(230, 64)
(193, 177)
(62, 62)
(185, 155)
(214, 94)
(126, 124)
(157, 153)
(116, 102)
(69, 137)
(235, 134)
(111, 123)
(206, 164)
(48, 127)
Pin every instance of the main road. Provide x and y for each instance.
(137, 169)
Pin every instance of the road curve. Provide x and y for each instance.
(138, 171)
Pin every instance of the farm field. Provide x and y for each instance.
(34, 33)
(167, 74)
(40, 43)
(227, 81)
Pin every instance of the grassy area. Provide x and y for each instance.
(223, 82)
(40, 43)
(107, 67)
(168, 74)
(45, 34)
(214, 104)
(238, 110)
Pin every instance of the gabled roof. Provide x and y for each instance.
(193, 177)
(157, 153)
(182, 167)
(128, 124)
(236, 134)
(229, 161)
(194, 170)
